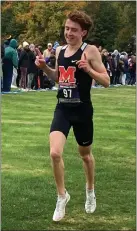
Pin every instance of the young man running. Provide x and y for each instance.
(76, 65)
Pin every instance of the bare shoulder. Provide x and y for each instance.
(92, 52)
(92, 48)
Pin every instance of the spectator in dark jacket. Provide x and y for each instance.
(32, 68)
(113, 69)
(23, 64)
(117, 65)
(132, 70)
(104, 54)
(122, 65)
(19, 50)
(110, 68)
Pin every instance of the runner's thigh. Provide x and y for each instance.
(59, 131)
(60, 122)
(83, 132)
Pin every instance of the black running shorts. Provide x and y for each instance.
(79, 117)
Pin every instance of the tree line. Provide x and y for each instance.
(41, 22)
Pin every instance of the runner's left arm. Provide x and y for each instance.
(98, 71)
(91, 63)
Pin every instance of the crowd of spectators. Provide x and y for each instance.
(121, 67)
(19, 69)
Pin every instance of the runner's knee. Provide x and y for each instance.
(85, 153)
(86, 158)
(55, 154)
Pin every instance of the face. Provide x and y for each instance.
(32, 48)
(100, 48)
(106, 53)
(49, 47)
(73, 32)
(26, 47)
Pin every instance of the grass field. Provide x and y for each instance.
(28, 190)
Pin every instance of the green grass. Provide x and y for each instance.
(28, 189)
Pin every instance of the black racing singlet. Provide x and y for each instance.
(74, 83)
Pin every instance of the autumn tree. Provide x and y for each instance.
(41, 22)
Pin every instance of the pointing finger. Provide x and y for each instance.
(39, 53)
(79, 61)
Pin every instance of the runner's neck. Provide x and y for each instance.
(75, 47)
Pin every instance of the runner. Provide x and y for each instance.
(76, 65)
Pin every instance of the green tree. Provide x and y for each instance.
(41, 22)
(37, 22)
(105, 23)
(9, 22)
(126, 14)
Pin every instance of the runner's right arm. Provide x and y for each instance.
(51, 73)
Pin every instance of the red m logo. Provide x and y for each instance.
(67, 76)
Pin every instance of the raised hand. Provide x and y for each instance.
(84, 64)
(38, 52)
(40, 61)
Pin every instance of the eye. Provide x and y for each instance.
(74, 30)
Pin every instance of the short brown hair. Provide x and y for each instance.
(81, 18)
